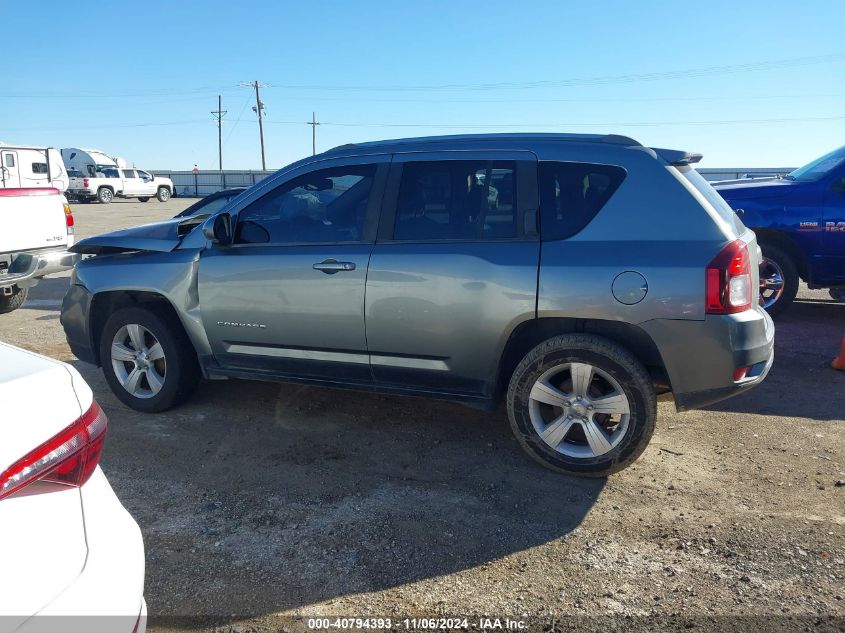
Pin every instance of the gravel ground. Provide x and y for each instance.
(263, 505)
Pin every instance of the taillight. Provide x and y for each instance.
(68, 219)
(68, 458)
(84, 182)
(728, 280)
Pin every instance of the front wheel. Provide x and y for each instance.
(148, 360)
(582, 405)
(9, 303)
(163, 194)
(778, 280)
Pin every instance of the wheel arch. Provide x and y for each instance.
(531, 333)
(788, 245)
(105, 303)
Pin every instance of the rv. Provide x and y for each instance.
(28, 167)
(90, 161)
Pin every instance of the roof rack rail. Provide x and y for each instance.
(614, 139)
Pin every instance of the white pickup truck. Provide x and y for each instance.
(36, 229)
(113, 182)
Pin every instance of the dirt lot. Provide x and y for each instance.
(259, 501)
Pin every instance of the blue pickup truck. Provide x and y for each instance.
(799, 219)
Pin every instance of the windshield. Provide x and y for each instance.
(819, 167)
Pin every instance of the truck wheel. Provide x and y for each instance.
(105, 195)
(143, 199)
(148, 360)
(778, 280)
(11, 302)
(163, 194)
(582, 405)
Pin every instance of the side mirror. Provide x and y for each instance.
(218, 229)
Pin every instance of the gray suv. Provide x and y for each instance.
(575, 277)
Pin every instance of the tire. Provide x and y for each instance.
(163, 194)
(105, 195)
(778, 263)
(837, 294)
(145, 199)
(570, 451)
(10, 303)
(176, 372)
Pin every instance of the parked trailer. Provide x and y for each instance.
(31, 167)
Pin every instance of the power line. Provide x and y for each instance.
(591, 81)
(532, 125)
(599, 80)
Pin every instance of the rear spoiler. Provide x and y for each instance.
(676, 157)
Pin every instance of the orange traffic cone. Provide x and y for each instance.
(839, 361)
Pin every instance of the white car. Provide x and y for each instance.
(68, 548)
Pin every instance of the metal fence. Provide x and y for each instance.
(201, 183)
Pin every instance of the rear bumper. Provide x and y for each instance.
(701, 356)
(108, 595)
(27, 268)
(76, 309)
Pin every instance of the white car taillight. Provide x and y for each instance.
(728, 281)
(68, 219)
(68, 458)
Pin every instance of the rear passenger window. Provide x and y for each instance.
(456, 200)
(128, 173)
(571, 194)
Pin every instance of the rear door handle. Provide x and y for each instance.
(332, 266)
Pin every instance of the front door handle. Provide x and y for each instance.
(332, 266)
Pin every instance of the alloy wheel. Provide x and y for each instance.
(772, 283)
(138, 361)
(579, 410)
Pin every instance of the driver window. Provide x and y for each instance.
(329, 205)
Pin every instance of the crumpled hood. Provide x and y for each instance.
(157, 236)
(755, 188)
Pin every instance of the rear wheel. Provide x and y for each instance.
(148, 360)
(582, 405)
(105, 195)
(163, 194)
(11, 302)
(778, 280)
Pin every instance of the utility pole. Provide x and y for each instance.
(313, 123)
(259, 108)
(218, 114)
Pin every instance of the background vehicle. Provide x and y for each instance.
(68, 546)
(25, 166)
(36, 229)
(98, 176)
(212, 203)
(799, 220)
(389, 266)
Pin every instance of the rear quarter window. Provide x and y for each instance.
(571, 194)
(699, 185)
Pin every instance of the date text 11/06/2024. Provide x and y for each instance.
(413, 624)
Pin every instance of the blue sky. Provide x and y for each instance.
(745, 83)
